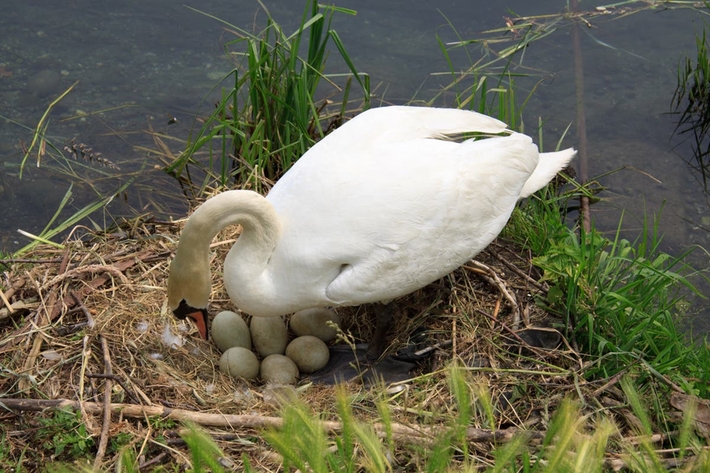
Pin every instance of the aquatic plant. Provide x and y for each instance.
(691, 101)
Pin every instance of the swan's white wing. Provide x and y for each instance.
(379, 220)
(401, 124)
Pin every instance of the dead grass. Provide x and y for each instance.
(86, 328)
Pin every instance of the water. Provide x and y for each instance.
(139, 63)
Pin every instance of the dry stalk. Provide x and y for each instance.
(511, 266)
(93, 269)
(493, 279)
(106, 424)
(403, 433)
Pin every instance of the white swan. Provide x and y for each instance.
(381, 207)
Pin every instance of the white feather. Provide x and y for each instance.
(169, 339)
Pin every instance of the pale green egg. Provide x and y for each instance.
(278, 369)
(239, 362)
(309, 353)
(229, 330)
(269, 335)
(315, 322)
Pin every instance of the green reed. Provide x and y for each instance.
(279, 101)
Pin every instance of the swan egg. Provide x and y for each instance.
(278, 369)
(269, 335)
(229, 330)
(239, 362)
(309, 353)
(315, 322)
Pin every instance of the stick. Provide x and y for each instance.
(538, 350)
(153, 461)
(444, 344)
(612, 381)
(402, 432)
(15, 286)
(120, 382)
(103, 441)
(5, 300)
(92, 268)
(492, 278)
(519, 271)
(53, 309)
(42, 318)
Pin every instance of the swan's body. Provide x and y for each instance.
(381, 207)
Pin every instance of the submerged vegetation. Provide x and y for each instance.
(692, 101)
(622, 390)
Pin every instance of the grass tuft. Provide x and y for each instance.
(622, 300)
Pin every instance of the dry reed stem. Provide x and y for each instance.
(492, 278)
(421, 435)
(93, 269)
(106, 423)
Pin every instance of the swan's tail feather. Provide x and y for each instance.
(548, 166)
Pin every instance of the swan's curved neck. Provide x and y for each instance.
(261, 228)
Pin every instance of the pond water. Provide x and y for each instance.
(138, 63)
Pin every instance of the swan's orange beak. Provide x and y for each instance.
(199, 316)
(201, 321)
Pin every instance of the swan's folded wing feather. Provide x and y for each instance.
(398, 216)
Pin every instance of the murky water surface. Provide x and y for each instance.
(138, 62)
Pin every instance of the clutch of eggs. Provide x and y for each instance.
(268, 336)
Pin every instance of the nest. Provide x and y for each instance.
(82, 329)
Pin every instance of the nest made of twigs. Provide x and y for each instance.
(81, 328)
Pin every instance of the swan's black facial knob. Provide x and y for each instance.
(199, 316)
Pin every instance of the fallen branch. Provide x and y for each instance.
(106, 423)
(401, 432)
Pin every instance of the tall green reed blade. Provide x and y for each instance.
(301, 441)
(203, 451)
(559, 438)
(487, 83)
(40, 129)
(50, 232)
(272, 114)
(345, 453)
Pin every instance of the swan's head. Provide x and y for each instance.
(199, 316)
(189, 291)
